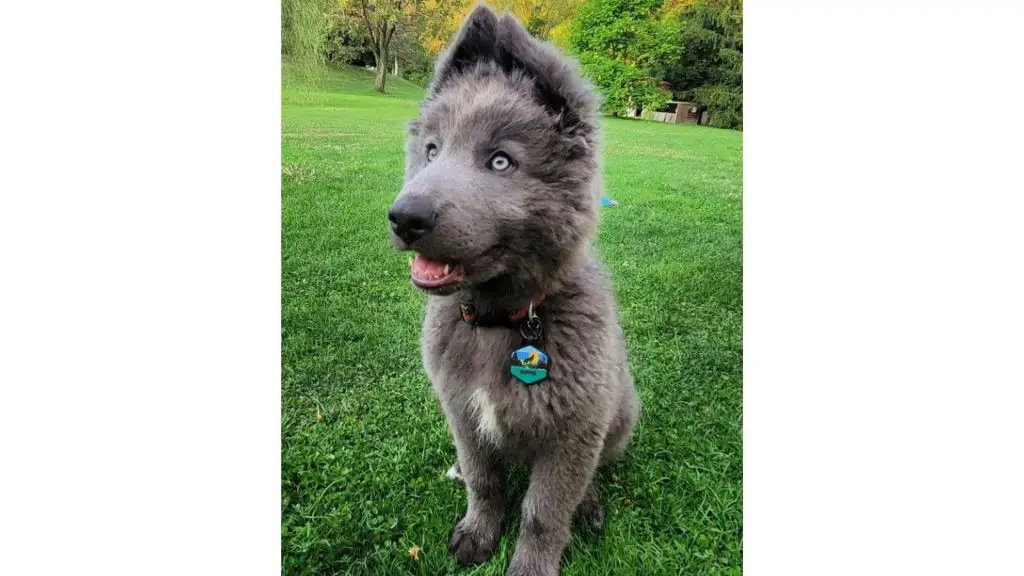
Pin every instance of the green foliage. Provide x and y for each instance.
(710, 68)
(729, 70)
(626, 30)
(415, 64)
(698, 58)
(304, 27)
(419, 77)
(623, 46)
(622, 86)
(724, 104)
(345, 38)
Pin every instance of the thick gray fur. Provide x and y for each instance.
(519, 233)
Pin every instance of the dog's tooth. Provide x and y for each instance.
(447, 269)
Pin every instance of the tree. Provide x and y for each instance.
(709, 70)
(624, 46)
(380, 20)
(346, 37)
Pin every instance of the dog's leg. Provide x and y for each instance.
(589, 509)
(622, 426)
(558, 483)
(476, 535)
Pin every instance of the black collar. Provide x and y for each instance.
(507, 318)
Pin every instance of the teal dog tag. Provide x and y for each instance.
(529, 364)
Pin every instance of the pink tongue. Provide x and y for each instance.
(426, 267)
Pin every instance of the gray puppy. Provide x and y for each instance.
(521, 339)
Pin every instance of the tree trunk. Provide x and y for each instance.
(381, 42)
(382, 73)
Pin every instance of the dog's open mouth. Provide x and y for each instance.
(433, 274)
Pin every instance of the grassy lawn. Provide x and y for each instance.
(364, 443)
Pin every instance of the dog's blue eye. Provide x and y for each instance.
(499, 162)
(431, 152)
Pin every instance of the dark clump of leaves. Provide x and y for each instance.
(724, 104)
(710, 68)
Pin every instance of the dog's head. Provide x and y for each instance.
(502, 170)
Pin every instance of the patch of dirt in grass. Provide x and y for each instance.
(296, 173)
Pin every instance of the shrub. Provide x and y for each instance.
(724, 104)
(622, 86)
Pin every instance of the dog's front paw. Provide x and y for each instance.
(473, 542)
(590, 511)
(521, 568)
(591, 515)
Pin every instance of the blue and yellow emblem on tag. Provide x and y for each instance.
(529, 365)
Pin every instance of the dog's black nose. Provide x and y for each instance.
(411, 217)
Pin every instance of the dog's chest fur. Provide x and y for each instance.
(469, 369)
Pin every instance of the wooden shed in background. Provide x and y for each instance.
(675, 112)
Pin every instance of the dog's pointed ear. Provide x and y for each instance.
(558, 84)
(475, 41)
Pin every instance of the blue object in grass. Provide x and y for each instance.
(608, 202)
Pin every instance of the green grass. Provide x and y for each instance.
(364, 444)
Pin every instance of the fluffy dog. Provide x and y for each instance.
(521, 339)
